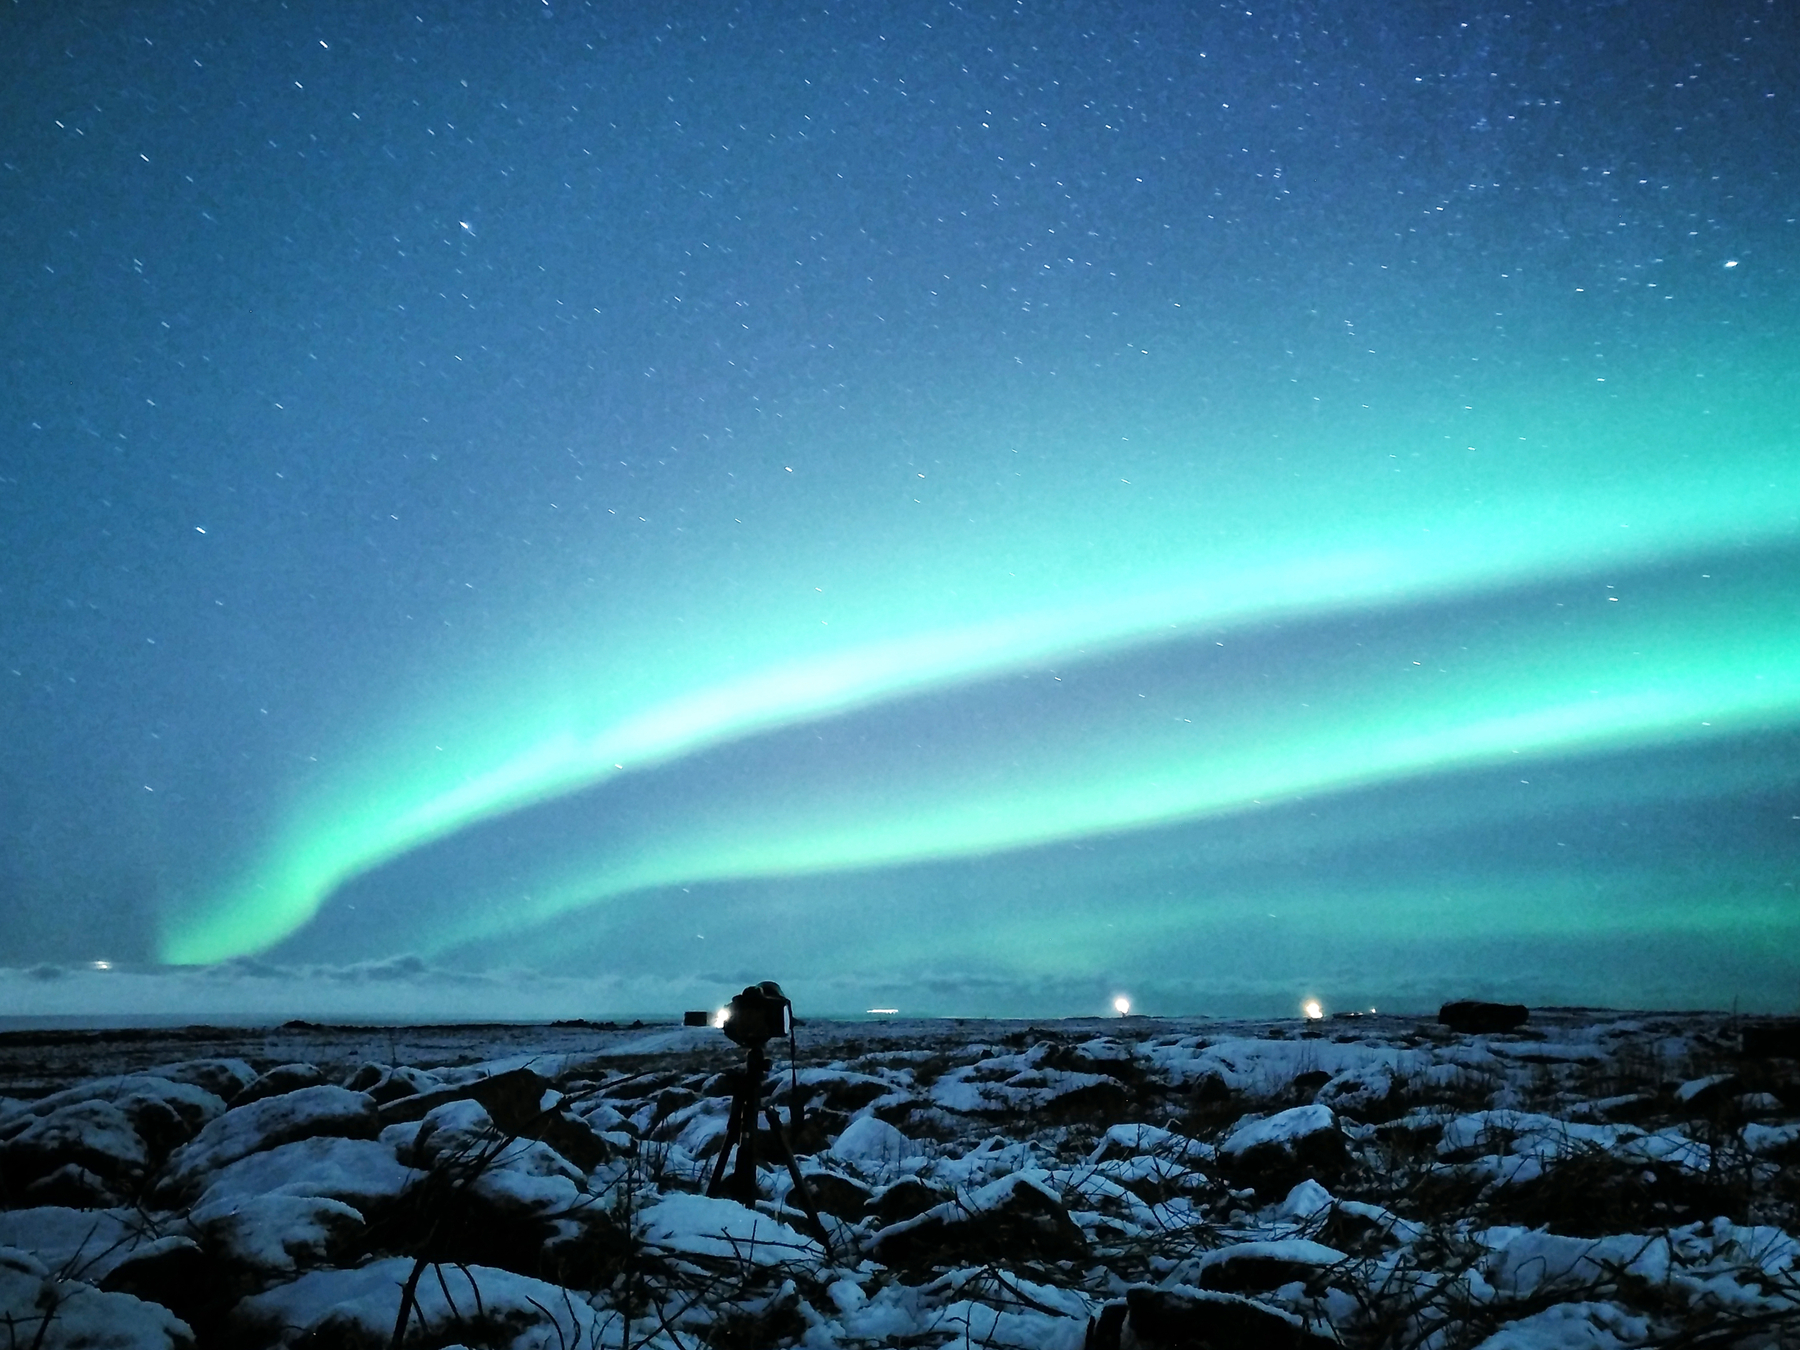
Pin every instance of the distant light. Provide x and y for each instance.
(1731, 262)
(1313, 1009)
(1121, 1005)
(722, 1016)
(884, 1012)
(102, 965)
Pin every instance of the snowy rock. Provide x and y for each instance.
(1777, 1143)
(82, 1243)
(459, 1128)
(836, 1089)
(276, 1235)
(1180, 1318)
(1017, 1218)
(1571, 1326)
(477, 1305)
(47, 1313)
(95, 1136)
(163, 1112)
(873, 1143)
(468, 1116)
(1371, 1093)
(1305, 1201)
(266, 1124)
(1278, 1151)
(281, 1079)
(698, 1225)
(1703, 1096)
(359, 1172)
(1123, 1141)
(223, 1078)
(1256, 1267)
(1034, 1081)
(390, 1082)
(1365, 1229)
(905, 1199)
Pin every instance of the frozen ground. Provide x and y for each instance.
(1594, 1180)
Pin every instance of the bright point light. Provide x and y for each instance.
(1313, 1009)
(721, 1017)
(1121, 1005)
(103, 965)
(884, 1012)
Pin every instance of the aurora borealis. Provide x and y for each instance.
(970, 508)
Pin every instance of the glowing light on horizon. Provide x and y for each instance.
(1122, 1005)
(1312, 1009)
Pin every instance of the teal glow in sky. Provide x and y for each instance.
(822, 463)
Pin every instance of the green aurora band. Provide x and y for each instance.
(1080, 554)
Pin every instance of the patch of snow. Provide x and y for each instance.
(698, 1225)
(276, 1234)
(1281, 1128)
(478, 1302)
(359, 1172)
(47, 1313)
(871, 1141)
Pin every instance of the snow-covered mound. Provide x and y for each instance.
(1603, 1181)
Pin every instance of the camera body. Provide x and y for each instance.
(758, 1015)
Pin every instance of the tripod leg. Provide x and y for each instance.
(743, 1176)
(800, 1187)
(733, 1129)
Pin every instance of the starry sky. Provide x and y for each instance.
(978, 508)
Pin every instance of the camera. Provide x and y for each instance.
(758, 1015)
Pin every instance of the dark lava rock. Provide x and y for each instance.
(1210, 1089)
(840, 1196)
(905, 1199)
(278, 1080)
(1305, 1084)
(172, 1271)
(1366, 1230)
(1191, 1319)
(1007, 1221)
(513, 1098)
(1278, 1152)
(73, 1187)
(1772, 1040)
(1473, 1017)
(574, 1138)
(1257, 1267)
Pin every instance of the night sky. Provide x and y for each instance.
(973, 508)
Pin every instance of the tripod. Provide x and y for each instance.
(740, 1133)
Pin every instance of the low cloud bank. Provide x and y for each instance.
(400, 989)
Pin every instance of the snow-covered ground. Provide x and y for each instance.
(1593, 1180)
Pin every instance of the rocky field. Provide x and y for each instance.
(1589, 1180)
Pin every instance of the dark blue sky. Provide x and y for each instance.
(505, 438)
